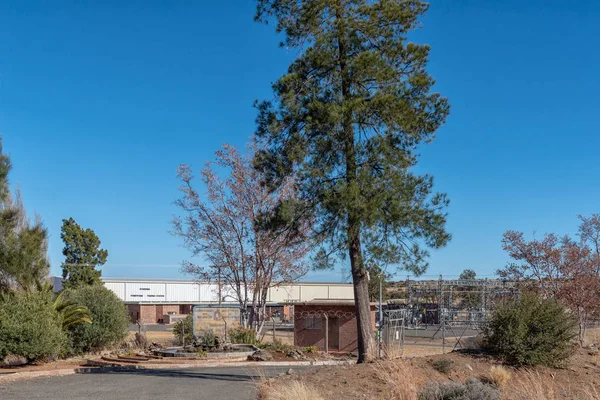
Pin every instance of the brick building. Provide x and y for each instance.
(330, 325)
(152, 301)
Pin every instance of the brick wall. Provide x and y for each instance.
(162, 310)
(342, 331)
(185, 309)
(148, 313)
(153, 313)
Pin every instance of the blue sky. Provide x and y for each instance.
(100, 102)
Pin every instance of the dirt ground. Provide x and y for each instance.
(580, 378)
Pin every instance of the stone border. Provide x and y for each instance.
(11, 377)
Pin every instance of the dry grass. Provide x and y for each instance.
(398, 380)
(393, 352)
(286, 390)
(499, 376)
(533, 387)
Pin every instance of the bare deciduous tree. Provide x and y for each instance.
(249, 237)
(562, 268)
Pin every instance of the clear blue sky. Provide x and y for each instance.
(99, 103)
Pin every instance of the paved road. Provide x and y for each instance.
(196, 384)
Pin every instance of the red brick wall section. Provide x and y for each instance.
(147, 313)
(163, 309)
(185, 309)
(347, 340)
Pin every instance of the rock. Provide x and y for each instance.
(290, 372)
(296, 355)
(260, 355)
(13, 360)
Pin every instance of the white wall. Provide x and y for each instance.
(193, 292)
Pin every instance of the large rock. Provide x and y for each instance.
(12, 360)
(260, 355)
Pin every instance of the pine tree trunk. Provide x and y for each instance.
(361, 295)
(359, 274)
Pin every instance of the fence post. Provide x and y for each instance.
(326, 333)
(443, 334)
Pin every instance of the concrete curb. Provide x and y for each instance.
(11, 377)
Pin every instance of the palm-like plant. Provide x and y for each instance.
(71, 313)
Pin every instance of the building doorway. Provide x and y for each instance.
(333, 333)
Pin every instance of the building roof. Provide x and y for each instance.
(190, 281)
(328, 302)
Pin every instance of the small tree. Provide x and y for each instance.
(82, 255)
(560, 268)
(468, 295)
(540, 261)
(109, 316)
(251, 238)
(183, 331)
(530, 331)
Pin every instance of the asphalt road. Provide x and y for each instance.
(183, 384)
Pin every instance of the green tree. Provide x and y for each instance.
(467, 275)
(469, 296)
(23, 245)
(110, 319)
(30, 326)
(347, 120)
(82, 255)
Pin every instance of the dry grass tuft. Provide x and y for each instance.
(499, 376)
(286, 390)
(398, 379)
(533, 387)
(393, 352)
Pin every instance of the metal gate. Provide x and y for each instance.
(393, 333)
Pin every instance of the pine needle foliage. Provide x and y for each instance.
(347, 121)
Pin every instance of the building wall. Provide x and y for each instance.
(164, 309)
(347, 337)
(134, 312)
(182, 292)
(147, 313)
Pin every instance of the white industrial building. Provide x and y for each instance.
(154, 300)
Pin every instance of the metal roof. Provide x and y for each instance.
(158, 280)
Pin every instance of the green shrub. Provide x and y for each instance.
(184, 327)
(310, 349)
(242, 335)
(277, 345)
(531, 331)
(472, 389)
(442, 365)
(109, 320)
(30, 326)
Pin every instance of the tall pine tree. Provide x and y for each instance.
(82, 255)
(347, 119)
